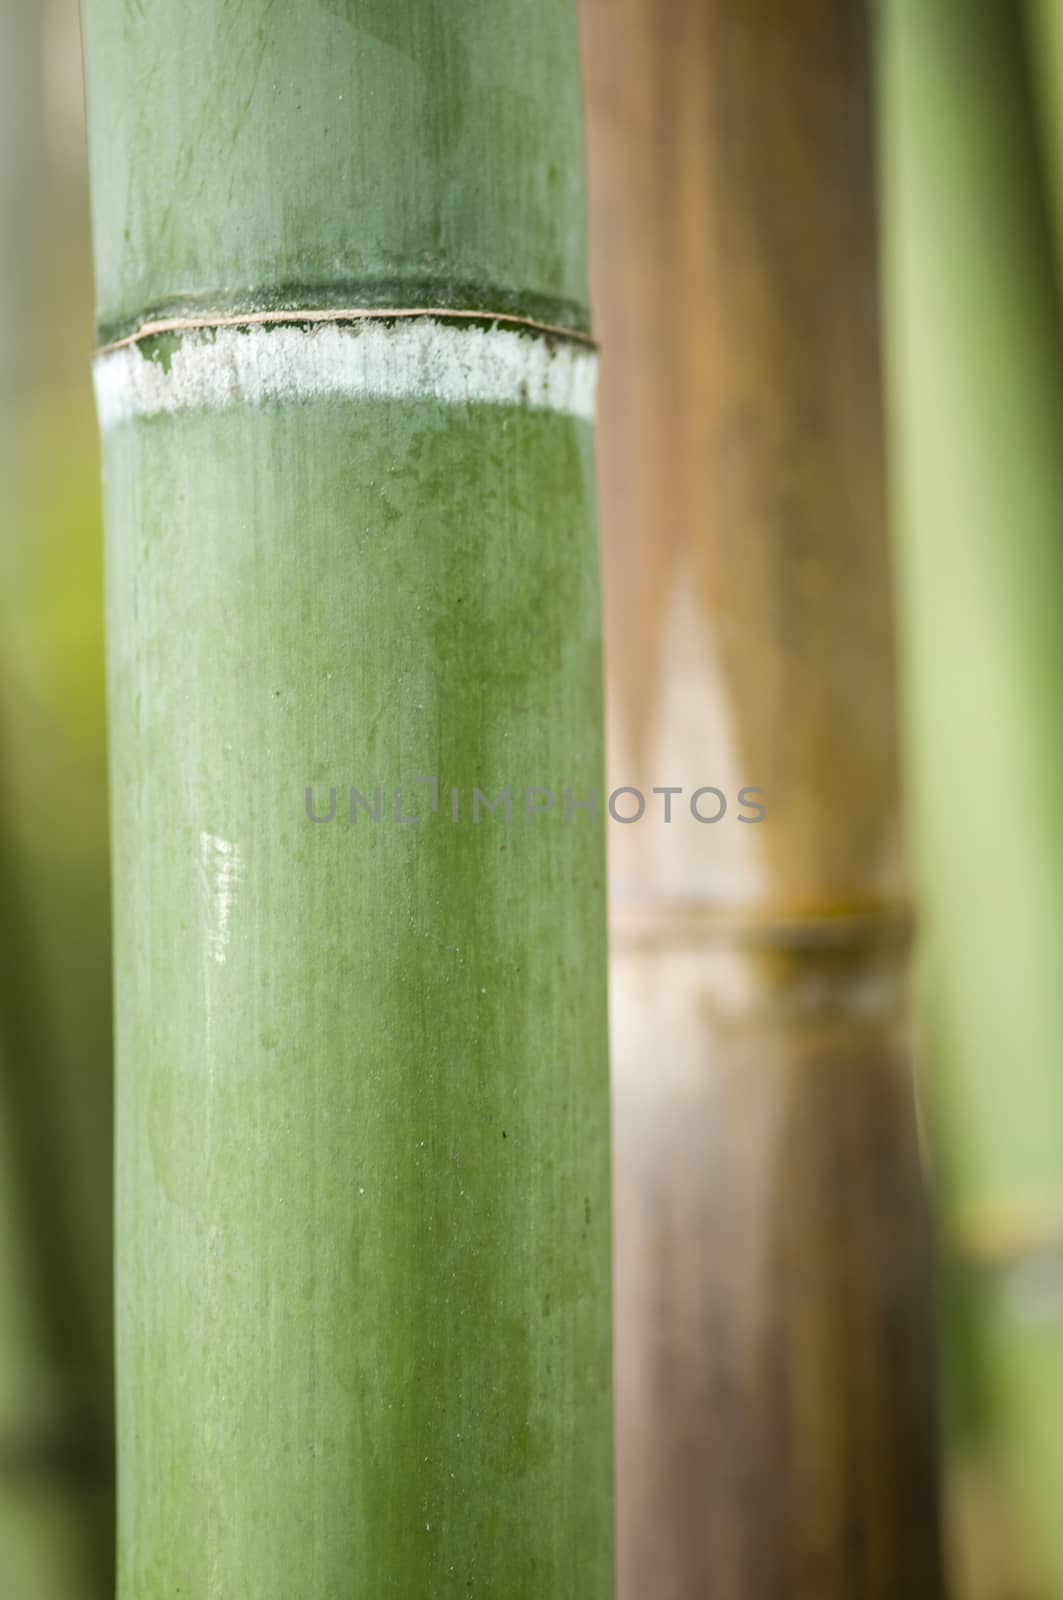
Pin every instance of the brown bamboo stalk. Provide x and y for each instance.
(777, 1431)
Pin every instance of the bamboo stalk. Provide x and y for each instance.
(363, 1203)
(977, 404)
(56, 1512)
(776, 1416)
(1043, 38)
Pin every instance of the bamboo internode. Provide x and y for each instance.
(776, 1411)
(363, 1174)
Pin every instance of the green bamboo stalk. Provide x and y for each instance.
(977, 402)
(363, 1212)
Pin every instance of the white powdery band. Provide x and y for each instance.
(215, 368)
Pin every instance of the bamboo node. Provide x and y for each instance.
(306, 316)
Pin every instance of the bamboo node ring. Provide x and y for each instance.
(304, 316)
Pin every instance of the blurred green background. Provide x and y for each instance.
(971, 163)
(55, 1032)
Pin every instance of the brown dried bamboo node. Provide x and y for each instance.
(637, 924)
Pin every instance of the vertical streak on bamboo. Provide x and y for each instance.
(363, 1181)
(776, 1411)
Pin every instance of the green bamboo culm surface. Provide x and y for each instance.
(976, 384)
(363, 1208)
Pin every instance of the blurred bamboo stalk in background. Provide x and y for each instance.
(1044, 36)
(56, 1511)
(976, 390)
(776, 1398)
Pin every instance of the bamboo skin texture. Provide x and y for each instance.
(976, 390)
(775, 1393)
(363, 1183)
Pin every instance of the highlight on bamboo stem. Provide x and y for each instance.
(363, 1184)
(775, 1366)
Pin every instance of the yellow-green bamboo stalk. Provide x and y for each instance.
(363, 1209)
(977, 409)
(1044, 47)
(56, 1510)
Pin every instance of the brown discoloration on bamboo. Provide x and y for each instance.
(654, 922)
(773, 1370)
(740, 418)
(775, 1392)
